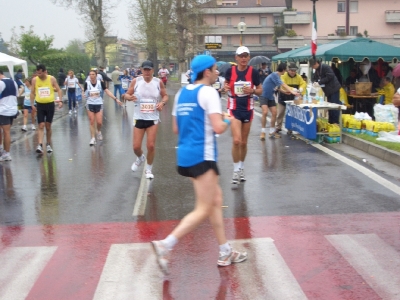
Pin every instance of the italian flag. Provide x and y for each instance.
(314, 33)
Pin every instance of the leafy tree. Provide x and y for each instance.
(3, 45)
(29, 45)
(95, 15)
(75, 46)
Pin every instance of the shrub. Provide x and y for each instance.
(291, 33)
(67, 61)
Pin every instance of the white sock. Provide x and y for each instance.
(236, 167)
(142, 157)
(148, 167)
(263, 130)
(241, 165)
(225, 248)
(271, 129)
(170, 241)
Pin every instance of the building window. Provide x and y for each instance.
(229, 41)
(242, 19)
(228, 21)
(263, 40)
(341, 30)
(341, 6)
(263, 21)
(277, 20)
(354, 6)
(353, 30)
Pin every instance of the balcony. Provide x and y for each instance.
(392, 16)
(297, 17)
(232, 30)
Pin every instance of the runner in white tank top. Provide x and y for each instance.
(150, 97)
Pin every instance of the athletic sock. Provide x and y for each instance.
(271, 129)
(236, 167)
(142, 157)
(148, 167)
(225, 248)
(241, 164)
(170, 241)
(263, 129)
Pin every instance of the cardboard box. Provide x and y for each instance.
(363, 88)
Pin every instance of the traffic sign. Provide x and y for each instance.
(213, 45)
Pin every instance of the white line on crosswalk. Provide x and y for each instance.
(377, 262)
(265, 275)
(141, 198)
(130, 273)
(20, 267)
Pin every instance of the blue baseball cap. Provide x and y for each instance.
(201, 63)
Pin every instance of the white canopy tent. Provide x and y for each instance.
(11, 61)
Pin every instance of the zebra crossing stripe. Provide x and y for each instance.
(20, 268)
(130, 272)
(265, 275)
(377, 262)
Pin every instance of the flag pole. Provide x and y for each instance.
(314, 34)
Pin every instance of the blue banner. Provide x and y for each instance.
(302, 120)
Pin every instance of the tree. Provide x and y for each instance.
(3, 45)
(75, 46)
(29, 45)
(95, 14)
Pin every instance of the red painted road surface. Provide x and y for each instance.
(321, 271)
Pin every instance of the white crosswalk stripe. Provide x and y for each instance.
(377, 262)
(130, 272)
(20, 268)
(265, 275)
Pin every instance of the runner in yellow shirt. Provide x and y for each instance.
(43, 87)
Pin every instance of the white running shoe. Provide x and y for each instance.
(23, 128)
(5, 157)
(48, 149)
(75, 111)
(99, 136)
(33, 127)
(136, 164)
(70, 112)
(228, 259)
(39, 149)
(236, 178)
(149, 174)
(162, 255)
(92, 141)
(241, 175)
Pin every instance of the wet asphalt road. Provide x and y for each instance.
(81, 199)
(82, 184)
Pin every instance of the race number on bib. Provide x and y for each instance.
(125, 85)
(238, 87)
(44, 92)
(94, 94)
(217, 85)
(71, 84)
(147, 106)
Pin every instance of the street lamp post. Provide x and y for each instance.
(241, 27)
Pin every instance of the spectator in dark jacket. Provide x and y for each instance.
(104, 75)
(18, 78)
(337, 73)
(61, 78)
(325, 77)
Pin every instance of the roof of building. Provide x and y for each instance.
(247, 3)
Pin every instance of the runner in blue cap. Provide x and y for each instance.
(197, 116)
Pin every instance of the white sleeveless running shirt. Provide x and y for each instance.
(149, 95)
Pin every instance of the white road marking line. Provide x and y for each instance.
(265, 275)
(377, 262)
(20, 268)
(141, 198)
(382, 181)
(130, 272)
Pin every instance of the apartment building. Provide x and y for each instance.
(222, 17)
(376, 19)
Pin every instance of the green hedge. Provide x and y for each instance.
(67, 61)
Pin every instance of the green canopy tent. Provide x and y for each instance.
(357, 49)
(285, 55)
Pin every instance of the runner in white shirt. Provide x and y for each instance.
(163, 74)
(71, 82)
(146, 91)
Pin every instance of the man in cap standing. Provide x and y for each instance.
(326, 78)
(295, 82)
(197, 116)
(115, 77)
(150, 97)
(241, 82)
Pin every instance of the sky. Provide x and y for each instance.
(47, 18)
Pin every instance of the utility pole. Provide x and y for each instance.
(347, 17)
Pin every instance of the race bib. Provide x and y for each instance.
(94, 94)
(238, 87)
(44, 92)
(71, 84)
(125, 85)
(147, 106)
(217, 85)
